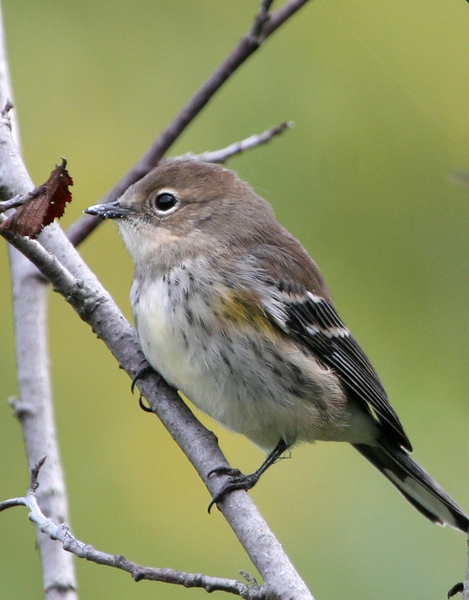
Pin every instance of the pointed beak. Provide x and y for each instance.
(111, 210)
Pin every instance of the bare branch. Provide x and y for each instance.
(261, 18)
(16, 201)
(62, 534)
(263, 26)
(32, 488)
(222, 155)
(34, 409)
(282, 15)
(35, 414)
(35, 474)
(48, 265)
(13, 502)
(59, 261)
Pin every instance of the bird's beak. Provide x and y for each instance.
(111, 210)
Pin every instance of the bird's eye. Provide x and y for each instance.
(165, 201)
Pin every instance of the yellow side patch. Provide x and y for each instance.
(244, 309)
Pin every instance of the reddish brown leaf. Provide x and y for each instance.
(48, 203)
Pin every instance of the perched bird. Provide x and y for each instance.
(233, 312)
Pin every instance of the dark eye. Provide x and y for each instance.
(165, 201)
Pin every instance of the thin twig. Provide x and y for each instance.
(222, 155)
(18, 200)
(61, 533)
(21, 199)
(261, 18)
(13, 502)
(261, 29)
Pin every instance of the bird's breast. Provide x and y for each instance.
(213, 342)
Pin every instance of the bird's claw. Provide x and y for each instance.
(458, 588)
(145, 370)
(236, 481)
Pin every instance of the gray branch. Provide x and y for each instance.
(57, 259)
(34, 408)
(21, 199)
(265, 24)
(61, 532)
(222, 155)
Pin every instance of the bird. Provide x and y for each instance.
(232, 311)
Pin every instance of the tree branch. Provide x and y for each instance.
(222, 155)
(263, 26)
(60, 262)
(34, 408)
(20, 200)
(61, 533)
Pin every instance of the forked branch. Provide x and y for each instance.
(61, 533)
(264, 26)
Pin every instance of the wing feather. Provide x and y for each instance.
(313, 320)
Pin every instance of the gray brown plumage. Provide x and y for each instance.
(232, 311)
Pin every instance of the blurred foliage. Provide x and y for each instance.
(378, 91)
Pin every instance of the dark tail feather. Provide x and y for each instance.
(415, 484)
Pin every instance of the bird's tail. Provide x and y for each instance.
(415, 484)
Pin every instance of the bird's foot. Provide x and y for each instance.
(236, 481)
(458, 588)
(145, 370)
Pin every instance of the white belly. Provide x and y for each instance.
(264, 390)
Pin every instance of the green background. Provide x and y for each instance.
(379, 94)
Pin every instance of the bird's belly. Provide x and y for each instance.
(265, 389)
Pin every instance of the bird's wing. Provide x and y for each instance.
(313, 320)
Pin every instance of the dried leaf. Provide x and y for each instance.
(48, 203)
